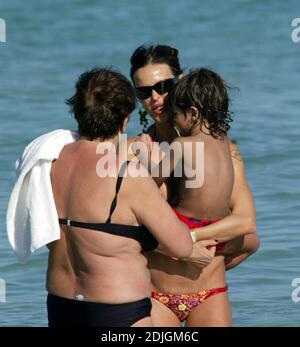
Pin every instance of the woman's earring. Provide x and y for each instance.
(177, 130)
(143, 120)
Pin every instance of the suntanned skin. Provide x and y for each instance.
(180, 277)
(103, 267)
(184, 277)
(242, 203)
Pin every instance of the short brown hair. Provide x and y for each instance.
(103, 99)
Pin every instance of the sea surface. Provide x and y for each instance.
(249, 42)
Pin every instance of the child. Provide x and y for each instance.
(199, 105)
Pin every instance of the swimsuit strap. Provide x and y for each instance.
(118, 186)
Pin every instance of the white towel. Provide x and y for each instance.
(32, 219)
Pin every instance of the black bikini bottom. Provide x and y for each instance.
(64, 312)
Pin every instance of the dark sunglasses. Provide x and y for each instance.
(161, 87)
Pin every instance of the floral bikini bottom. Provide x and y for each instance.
(182, 304)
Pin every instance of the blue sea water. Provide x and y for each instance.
(50, 42)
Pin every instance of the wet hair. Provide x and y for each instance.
(155, 54)
(205, 90)
(102, 101)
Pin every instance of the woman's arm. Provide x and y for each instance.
(153, 211)
(226, 229)
(242, 202)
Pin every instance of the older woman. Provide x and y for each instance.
(97, 273)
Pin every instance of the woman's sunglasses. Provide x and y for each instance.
(160, 87)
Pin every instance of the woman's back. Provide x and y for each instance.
(81, 195)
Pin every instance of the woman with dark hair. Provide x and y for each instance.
(97, 274)
(155, 70)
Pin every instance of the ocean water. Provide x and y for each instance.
(49, 43)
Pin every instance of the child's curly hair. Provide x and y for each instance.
(205, 90)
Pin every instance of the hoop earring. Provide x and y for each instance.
(143, 120)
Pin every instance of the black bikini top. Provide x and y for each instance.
(138, 233)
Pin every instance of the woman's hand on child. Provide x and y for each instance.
(203, 252)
